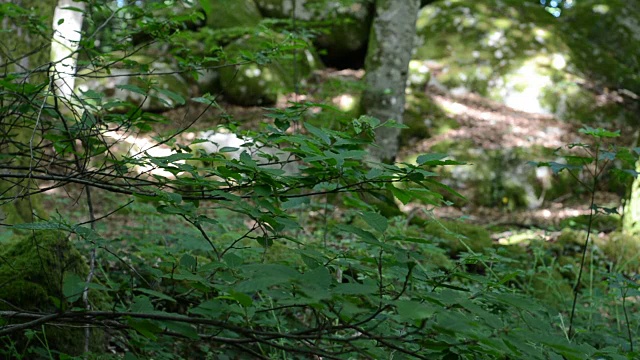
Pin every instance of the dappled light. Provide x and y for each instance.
(320, 179)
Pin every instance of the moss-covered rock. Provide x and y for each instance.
(520, 57)
(569, 242)
(43, 272)
(342, 27)
(270, 74)
(457, 236)
(623, 250)
(232, 13)
(501, 178)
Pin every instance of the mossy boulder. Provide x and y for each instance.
(501, 178)
(623, 250)
(159, 91)
(342, 27)
(521, 58)
(44, 272)
(271, 72)
(570, 242)
(457, 237)
(232, 13)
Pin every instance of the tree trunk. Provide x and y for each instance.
(67, 27)
(24, 53)
(631, 216)
(390, 45)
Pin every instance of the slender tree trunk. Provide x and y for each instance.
(67, 27)
(631, 216)
(390, 45)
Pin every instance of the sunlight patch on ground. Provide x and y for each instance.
(137, 146)
(523, 89)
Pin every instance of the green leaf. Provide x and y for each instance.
(42, 225)
(72, 287)
(373, 173)
(320, 277)
(146, 328)
(188, 261)
(130, 356)
(73, 8)
(318, 133)
(132, 88)
(156, 294)
(428, 159)
(246, 159)
(211, 309)
(177, 98)
(371, 121)
(557, 167)
(228, 149)
(400, 194)
(204, 100)
(409, 310)
(171, 158)
(394, 124)
(184, 329)
(363, 234)
(599, 132)
(232, 260)
(265, 241)
(142, 304)
(354, 289)
(242, 298)
(375, 220)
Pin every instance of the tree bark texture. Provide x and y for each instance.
(391, 42)
(24, 52)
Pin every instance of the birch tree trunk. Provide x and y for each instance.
(391, 42)
(67, 27)
(631, 216)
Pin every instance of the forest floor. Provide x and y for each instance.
(489, 125)
(486, 124)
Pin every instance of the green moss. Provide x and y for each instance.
(32, 273)
(233, 13)
(570, 242)
(623, 250)
(456, 236)
(599, 223)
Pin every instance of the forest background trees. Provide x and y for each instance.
(220, 179)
